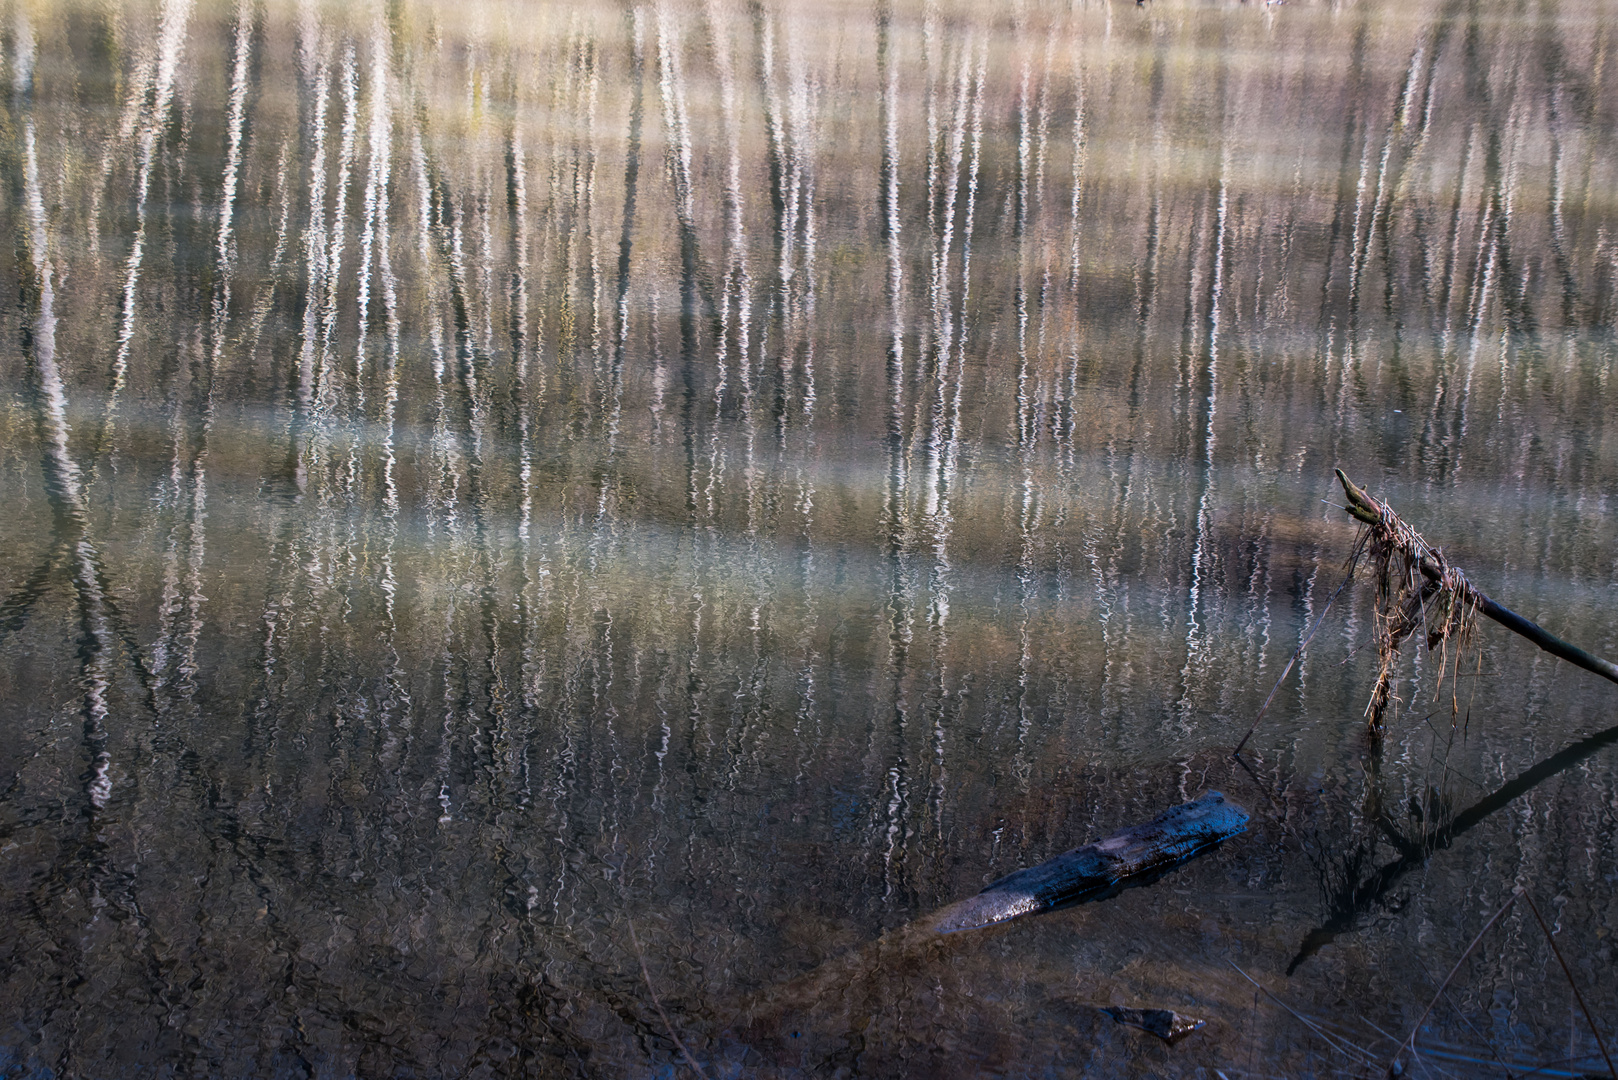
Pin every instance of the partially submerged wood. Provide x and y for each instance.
(1137, 855)
(1419, 589)
(843, 997)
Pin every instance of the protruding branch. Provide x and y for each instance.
(1360, 505)
(1378, 515)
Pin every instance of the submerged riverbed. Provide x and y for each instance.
(535, 537)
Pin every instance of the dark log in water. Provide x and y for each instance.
(1137, 855)
(825, 1012)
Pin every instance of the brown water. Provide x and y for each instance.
(535, 536)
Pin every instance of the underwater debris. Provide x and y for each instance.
(1166, 1024)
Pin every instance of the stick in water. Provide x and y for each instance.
(646, 975)
(1571, 984)
(1410, 1040)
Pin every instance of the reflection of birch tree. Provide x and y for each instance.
(73, 544)
(593, 537)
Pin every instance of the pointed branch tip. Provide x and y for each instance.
(1360, 505)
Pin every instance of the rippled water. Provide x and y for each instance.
(535, 535)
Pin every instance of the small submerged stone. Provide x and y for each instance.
(1166, 1024)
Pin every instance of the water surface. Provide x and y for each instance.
(531, 530)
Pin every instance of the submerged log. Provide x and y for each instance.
(824, 1014)
(1134, 856)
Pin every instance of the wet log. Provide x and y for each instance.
(1134, 856)
(845, 1000)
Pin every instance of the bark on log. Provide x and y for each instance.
(1134, 856)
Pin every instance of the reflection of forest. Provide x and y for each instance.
(476, 476)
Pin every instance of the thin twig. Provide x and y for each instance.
(1348, 576)
(1486, 1043)
(675, 1035)
(1264, 788)
(1331, 1040)
(1571, 984)
(1410, 1040)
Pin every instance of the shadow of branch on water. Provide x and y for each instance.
(1358, 895)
